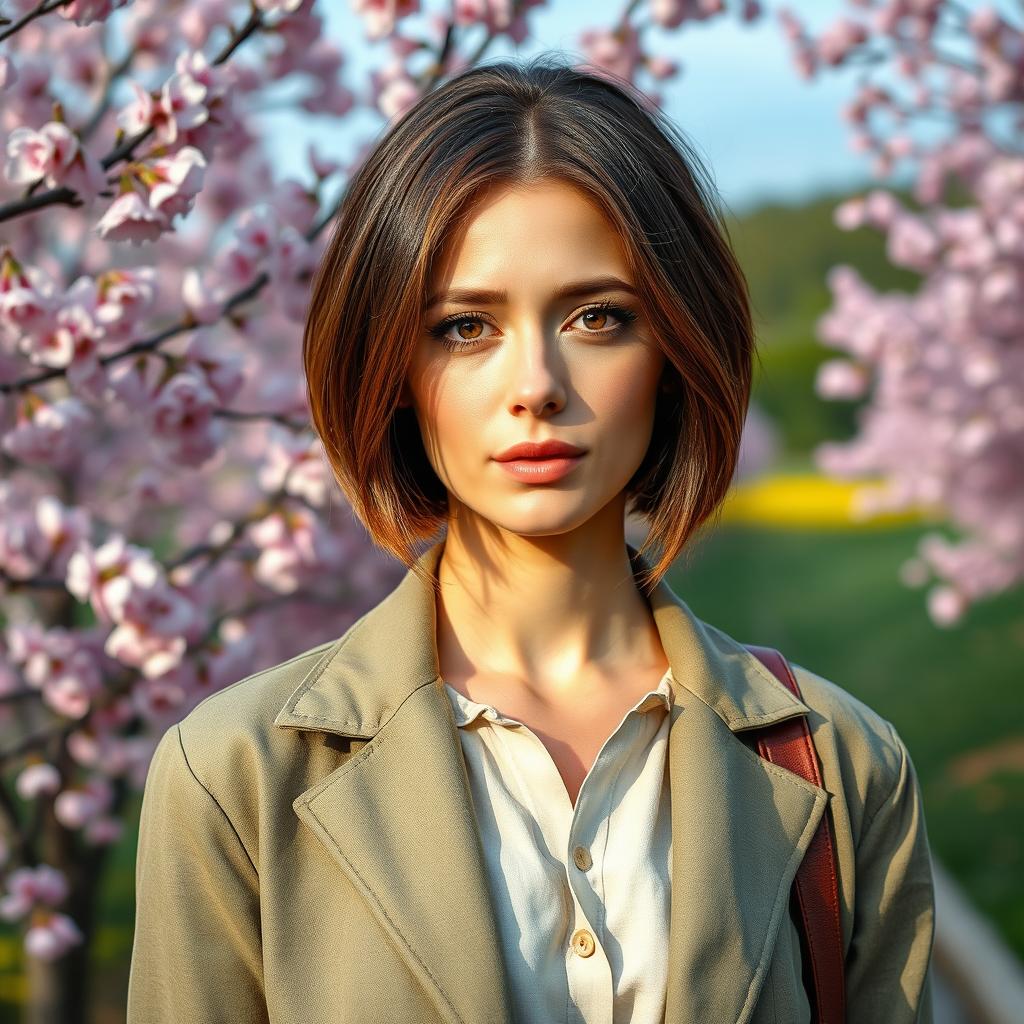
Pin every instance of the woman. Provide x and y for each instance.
(519, 789)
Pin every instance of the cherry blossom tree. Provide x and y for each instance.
(939, 92)
(168, 523)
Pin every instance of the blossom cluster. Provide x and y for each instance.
(940, 370)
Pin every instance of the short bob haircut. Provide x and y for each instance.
(516, 122)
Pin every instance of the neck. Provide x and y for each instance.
(550, 614)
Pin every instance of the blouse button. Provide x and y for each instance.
(583, 942)
(581, 858)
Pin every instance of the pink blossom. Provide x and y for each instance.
(76, 807)
(288, 546)
(91, 569)
(133, 382)
(850, 214)
(84, 12)
(984, 23)
(156, 699)
(256, 232)
(198, 20)
(27, 98)
(124, 298)
(141, 594)
(616, 51)
(23, 305)
(29, 886)
(53, 937)
(130, 643)
(182, 419)
(203, 298)
(61, 526)
(69, 696)
(130, 219)
(297, 464)
(844, 35)
(291, 257)
(42, 154)
(181, 178)
(139, 114)
(37, 780)
(661, 68)
(221, 370)
(294, 205)
(66, 672)
(946, 605)
(912, 243)
(498, 16)
(381, 16)
(73, 332)
(395, 95)
(670, 13)
(839, 378)
(103, 831)
(53, 434)
(183, 102)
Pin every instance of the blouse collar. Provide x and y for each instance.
(466, 710)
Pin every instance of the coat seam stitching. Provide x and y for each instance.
(216, 802)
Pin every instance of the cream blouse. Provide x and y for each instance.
(581, 895)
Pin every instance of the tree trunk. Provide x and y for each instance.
(58, 992)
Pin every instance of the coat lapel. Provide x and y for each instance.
(740, 825)
(397, 816)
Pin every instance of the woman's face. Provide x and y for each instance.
(529, 362)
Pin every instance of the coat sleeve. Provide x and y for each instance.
(888, 964)
(196, 955)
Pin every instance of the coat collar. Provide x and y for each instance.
(360, 683)
(397, 816)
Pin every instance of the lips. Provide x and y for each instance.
(550, 449)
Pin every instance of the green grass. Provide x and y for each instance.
(831, 601)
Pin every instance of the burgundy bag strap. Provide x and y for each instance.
(789, 744)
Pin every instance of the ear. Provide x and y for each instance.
(404, 396)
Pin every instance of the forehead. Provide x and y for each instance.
(548, 229)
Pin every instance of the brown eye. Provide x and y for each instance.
(596, 319)
(469, 330)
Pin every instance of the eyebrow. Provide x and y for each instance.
(495, 297)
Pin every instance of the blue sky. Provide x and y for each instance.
(766, 133)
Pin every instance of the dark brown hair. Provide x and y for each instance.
(516, 122)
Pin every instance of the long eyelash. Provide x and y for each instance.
(440, 329)
(625, 316)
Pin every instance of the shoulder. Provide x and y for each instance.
(230, 734)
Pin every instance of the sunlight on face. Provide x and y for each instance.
(530, 363)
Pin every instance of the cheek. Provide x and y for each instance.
(452, 416)
(623, 395)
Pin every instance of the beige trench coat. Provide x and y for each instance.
(308, 851)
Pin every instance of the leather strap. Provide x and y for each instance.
(789, 744)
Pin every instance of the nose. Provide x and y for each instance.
(536, 373)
